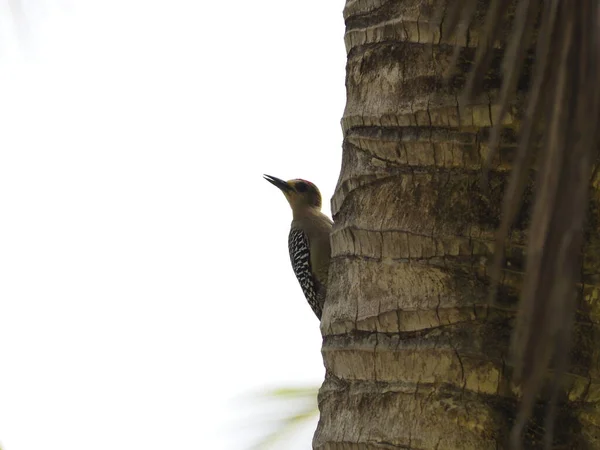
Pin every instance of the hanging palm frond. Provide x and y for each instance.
(562, 111)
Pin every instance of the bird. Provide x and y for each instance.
(308, 240)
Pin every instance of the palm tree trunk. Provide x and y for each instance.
(416, 356)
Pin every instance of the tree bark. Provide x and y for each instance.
(416, 356)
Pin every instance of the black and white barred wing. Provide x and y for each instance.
(299, 248)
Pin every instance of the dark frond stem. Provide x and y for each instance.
(490, 34)
(536, 103)
(455, 22)
(563, 102)
(533, 332)
(467, 13)
(512, 66)
(453, 16)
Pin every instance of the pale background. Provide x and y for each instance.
(145, 287)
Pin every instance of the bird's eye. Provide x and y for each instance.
(301, 187)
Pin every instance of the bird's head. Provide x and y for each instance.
(299, 193)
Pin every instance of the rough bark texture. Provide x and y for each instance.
(416, 357)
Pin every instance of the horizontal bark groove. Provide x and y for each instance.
(425, 157)
(422, 114)
(444, 354)
(358, 7)
(407, 10)
(409, 20)
(450, 419)
(440, 150)
(443, 135)
(432, 416)
(407, 245)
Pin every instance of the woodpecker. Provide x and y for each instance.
(308, 241)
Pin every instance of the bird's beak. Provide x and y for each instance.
(278, 182)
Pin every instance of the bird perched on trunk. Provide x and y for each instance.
(308, 241)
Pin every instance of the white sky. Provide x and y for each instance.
(145, 283)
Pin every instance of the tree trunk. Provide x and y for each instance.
(416, 356)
